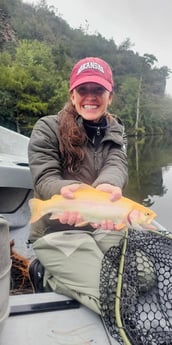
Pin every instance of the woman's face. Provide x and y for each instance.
(91, 100)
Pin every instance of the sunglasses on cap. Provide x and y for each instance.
(84, 90)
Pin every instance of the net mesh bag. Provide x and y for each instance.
(136, 289)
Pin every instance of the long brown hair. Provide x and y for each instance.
(72, 137)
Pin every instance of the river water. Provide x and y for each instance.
(150, 175)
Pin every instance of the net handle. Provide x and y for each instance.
(118, 293)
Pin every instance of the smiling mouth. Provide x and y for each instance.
(90, 106)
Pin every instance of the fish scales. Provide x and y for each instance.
(94, 206)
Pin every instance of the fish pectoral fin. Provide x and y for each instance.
(81, 224)
(119, 226)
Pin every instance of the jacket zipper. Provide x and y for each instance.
(95, 160)
(98, 131)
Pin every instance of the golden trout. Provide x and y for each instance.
(94, 206)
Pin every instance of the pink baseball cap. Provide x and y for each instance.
(91, 70)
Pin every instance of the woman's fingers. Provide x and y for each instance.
(68, 191)
(105, 225)
(71, 218)
(115, 192)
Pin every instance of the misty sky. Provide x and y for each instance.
(147, 23)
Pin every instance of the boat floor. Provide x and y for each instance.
(75, 326)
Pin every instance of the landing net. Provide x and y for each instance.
(136, 289)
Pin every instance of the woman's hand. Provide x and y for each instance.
(115, 193)
(68, 191)
(68, 217)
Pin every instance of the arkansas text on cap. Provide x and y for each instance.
(92, 70)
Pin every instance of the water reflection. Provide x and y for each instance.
(149, 161)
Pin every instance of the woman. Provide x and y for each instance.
(82, 144)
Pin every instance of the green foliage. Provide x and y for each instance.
(125, 103)
(35, 70)
(30, 85)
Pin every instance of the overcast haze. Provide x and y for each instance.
(147, 23)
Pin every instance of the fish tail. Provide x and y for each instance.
(35, 208)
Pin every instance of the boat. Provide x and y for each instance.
(41, 318)
(44, 318)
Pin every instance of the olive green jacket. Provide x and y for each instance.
(106, 164)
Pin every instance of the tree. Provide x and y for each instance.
(29, 83)
(35, 71)
(147, 61)
(125, 45)
(124, 103)
(7, 33)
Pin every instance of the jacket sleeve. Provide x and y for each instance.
(44, 159)
(114, 170)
